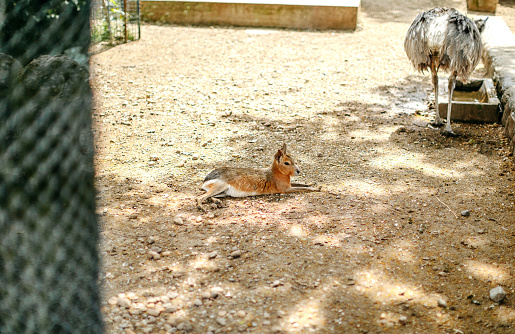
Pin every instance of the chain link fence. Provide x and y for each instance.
(115, 21)
(49, 262)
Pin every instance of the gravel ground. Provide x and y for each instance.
(410, 232)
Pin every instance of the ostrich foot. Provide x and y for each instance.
(447, 131)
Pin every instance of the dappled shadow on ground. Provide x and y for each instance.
(410, 231)
(386, 231)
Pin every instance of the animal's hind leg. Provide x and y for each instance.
(447, 130)
(214, 189)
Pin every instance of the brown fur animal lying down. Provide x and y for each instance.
(242, 182)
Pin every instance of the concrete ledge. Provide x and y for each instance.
(299, 14)
(499, 59)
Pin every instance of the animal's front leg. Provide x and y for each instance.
(302, 187)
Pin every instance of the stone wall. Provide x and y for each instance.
(499, 59)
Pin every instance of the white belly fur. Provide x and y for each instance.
(238, 193)
(231, 191)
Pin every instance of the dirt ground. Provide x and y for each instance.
(409, 234)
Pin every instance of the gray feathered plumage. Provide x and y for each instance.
(444, 39)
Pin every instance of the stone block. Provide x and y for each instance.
(293, 14)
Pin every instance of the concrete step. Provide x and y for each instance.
(293, 14)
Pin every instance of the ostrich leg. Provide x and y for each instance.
(434, 74)
(452, 83)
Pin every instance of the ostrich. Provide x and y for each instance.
(443, 38)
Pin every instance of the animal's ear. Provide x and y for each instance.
(283, 149)
(279, 155)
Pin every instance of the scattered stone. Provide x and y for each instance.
(118, 319)
(465, 213)
(169, 308)
(166, 253)
(221, 321)
(172, 295)
(241, 314)
(212, 255)
(205, 295)
(276, 283)
(154, 255)
(236, 254)
(153, 312)
(497, 294)
(112, 301)
(214, 294)
(403, 319)
(133, 216)
(123, 302)
(178, 221)
(442, 303)
(197, 302)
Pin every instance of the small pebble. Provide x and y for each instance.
(123, 302)
(497, 294)
(197, 302)
(172, 295)
(221, 321)
(241, 314)
(235, 254)
(153, 312)
(154, 255)
(465, 213)
(276, 283)
(403, 319)
(212, 255)
(442, 303)
(205, 295)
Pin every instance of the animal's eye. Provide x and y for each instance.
(287, 163)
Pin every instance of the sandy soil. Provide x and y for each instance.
(409, 234)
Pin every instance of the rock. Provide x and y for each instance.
(276, 283)
(497, 294)
(112, 301)
(442, 303)
(197, 302)
(169, 308)
(123, 302)
(178, 221)
(212, 255)
(214, 294)
(221, 321)
(241, 314)
(172, 295)
(236, 254)
(403, 319)
(154, 255)
(153, 312)
(465, 213)
(205, 295)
